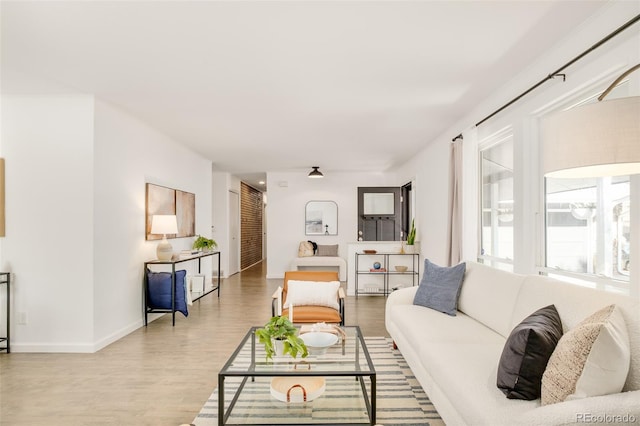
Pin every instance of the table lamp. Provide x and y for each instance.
(164, 224)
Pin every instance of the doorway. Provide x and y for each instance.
(234, 233)
(251, 213)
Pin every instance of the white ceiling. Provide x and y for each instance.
(264, 86)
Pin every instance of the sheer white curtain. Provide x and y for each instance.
(455, 203)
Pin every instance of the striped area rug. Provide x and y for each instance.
(400, 398)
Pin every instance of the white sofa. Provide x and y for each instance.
(455, 359)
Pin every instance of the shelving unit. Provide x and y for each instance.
(5, 278)
(388, 262)
(172, 311)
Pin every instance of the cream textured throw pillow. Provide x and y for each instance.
(591, 359)
(305, 249)
(319, 293)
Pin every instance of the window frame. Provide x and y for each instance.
(502, 136)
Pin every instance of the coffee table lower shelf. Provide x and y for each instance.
(345, 401)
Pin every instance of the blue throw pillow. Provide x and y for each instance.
(440, 286)
(160, 291)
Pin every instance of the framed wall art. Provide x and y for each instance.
(163, 200)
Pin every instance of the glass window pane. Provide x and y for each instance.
(378, 203)
(588, 225)
(497, 200)
(622, 222)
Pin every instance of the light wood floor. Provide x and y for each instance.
(158, 375)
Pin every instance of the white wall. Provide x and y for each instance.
(128, 154)
(220, 217)
(223, 183)
(286, 209)
(431, 165)
(75, 190)
(430, 172)
(47, 142)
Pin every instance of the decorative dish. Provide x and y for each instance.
(318, 342)
(293, 389)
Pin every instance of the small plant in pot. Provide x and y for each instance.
(280, 328)
(204, 244)
(411, 239)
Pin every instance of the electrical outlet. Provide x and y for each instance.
(22, 318)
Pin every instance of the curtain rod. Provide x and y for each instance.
(558, 72)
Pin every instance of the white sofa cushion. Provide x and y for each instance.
(439, 327)
(574, 304)
(608, 409)
(466, 373)
(489, 295)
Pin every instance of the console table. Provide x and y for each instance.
(198, 257)
(5, 278)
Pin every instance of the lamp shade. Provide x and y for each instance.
(164, 224)
(595, 140)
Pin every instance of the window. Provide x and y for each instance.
(496, 193)
(588, 226)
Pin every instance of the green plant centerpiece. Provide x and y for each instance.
(280, 328)
(411, 237)
(204, 244)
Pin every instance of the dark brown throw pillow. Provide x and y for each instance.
(527, 352)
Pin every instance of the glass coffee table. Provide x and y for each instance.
(245, 392)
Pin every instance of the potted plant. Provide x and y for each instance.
(281, 329)
(204, 244)
(411, 237)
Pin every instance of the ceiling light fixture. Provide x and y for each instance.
(595, 140)
(315, 173)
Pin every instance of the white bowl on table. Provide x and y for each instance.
(318, 342)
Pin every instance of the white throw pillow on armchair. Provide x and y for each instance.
(317, 293)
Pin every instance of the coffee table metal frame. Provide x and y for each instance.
(251, 372)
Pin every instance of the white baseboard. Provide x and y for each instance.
(275, 277)
(79, 348)
(214, 275)
(118, 334)
(86, 348)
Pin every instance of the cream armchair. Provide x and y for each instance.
(319, 304)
